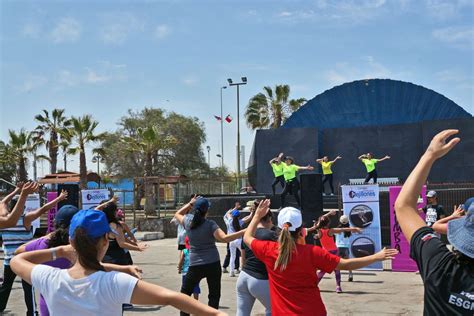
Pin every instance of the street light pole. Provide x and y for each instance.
(98, 159)
(222, 132)
(238, 84)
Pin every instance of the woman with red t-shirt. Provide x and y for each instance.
(326, 237)
(292, 267)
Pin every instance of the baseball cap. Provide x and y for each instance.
(202, 204)
(65, 214)
(344, 219)
(93, 222)
(431, 194)
(461, 232)
(289, 158)
(291, 216)
(235, 213)
(250, 203)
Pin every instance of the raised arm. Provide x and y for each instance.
(11, 219)
(384, 158)
(123, 243)
(357, 263)
(179, 215)
(363, 156)
(405, 206)
(441, 226)
(10, 196)
(31, 216)
(262, 209)
(336, 159)
(308, 167)
(319, 160)
(101, 206)
(333, 231)
(220, 236)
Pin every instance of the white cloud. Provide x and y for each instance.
(32, 82)
(368, 69)
(117, 27)
(461, 36)
(66, 78)
(162, 31)
(66, 30)
(446, 9)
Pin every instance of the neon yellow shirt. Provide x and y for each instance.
(326, 167)
(278, 169)
(289, 172)
(369, 164)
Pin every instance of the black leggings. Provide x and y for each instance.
(212, 273)
(227, 258)
(328, 178)
(8, 279)
(371, 175)
(279, 179)
(292, 187)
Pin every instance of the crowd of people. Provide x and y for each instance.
(84, 266)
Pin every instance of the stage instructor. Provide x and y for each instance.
(369, 162)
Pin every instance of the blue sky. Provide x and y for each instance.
(105, 57)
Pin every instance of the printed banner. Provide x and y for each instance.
(361, 205)
(52, 212)
(402, 261)
(92, 198)
(32, 204)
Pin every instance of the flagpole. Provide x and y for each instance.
(222, 132)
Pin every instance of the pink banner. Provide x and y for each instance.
(52, 212)
(402, 262)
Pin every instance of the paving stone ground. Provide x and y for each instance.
(371, 293)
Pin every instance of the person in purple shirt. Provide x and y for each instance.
(59, 237)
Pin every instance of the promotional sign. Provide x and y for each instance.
(402, 261)
(32, 204)
(361, 205)
(92, 198)
(52, 212)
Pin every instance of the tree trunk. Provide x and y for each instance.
(53, 151)
(65, 162)
(83, 168)
(35, 167)
(150, 208)
(22, 173)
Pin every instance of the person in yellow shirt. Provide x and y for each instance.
(327, 172)
(292, 184)
(369, 162)
(277, 167)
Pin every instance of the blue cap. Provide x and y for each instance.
(461, 232)
(92, 221)
(65, 214)
(235, 213)
(202, 204)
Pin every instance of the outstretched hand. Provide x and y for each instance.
(458, 211)
(63, 195)
(263, 208)
(386, 254)
(195, 198)
(439, 145)
(29, 188)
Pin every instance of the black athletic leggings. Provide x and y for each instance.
(212, 273)
(279, 179)
(328, 178)
(292, 187)
(371, 175)
(227, 259)
(8, 279)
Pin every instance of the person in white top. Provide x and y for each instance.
(85, 288)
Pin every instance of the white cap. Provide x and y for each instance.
(292, 216)
(431, 194)
(344, 219)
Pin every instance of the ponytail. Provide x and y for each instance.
(60, 237)
(87, 250)
(236, 224)
(198, 218)
(286, 246)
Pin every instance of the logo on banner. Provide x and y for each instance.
(361, 216)
(361, 194)
(96, 196)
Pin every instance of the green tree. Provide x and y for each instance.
(82, 133)
(7, 162)
(65, 144)
(20, 148)
(52, 125)
(271, 108)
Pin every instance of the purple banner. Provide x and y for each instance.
(402, 262)
(52, 212)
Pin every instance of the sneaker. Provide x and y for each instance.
(127, 306)
(224, 270)
(232, 275)
(350, 278)
(338, 289)
(237, 271)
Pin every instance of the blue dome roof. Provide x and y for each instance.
(374, 102)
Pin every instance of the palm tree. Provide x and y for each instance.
(7, 162)
(83, 132)
(20, 146)
(53, 125)
(148, 142)
(64, 144)
(36, 142)
(271, 108)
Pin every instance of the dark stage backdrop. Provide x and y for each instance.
(300, 143)
(405, 143)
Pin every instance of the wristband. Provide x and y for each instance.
(53, 254)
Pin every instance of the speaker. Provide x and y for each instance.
(311, 197)
(72, 194)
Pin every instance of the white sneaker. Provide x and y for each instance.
(237, 271)
(224, 270)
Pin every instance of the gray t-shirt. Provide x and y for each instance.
(202, 241)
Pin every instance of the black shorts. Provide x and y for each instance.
(344, 252)
(181, 247)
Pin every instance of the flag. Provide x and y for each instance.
(228, 118)
(218, 118)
